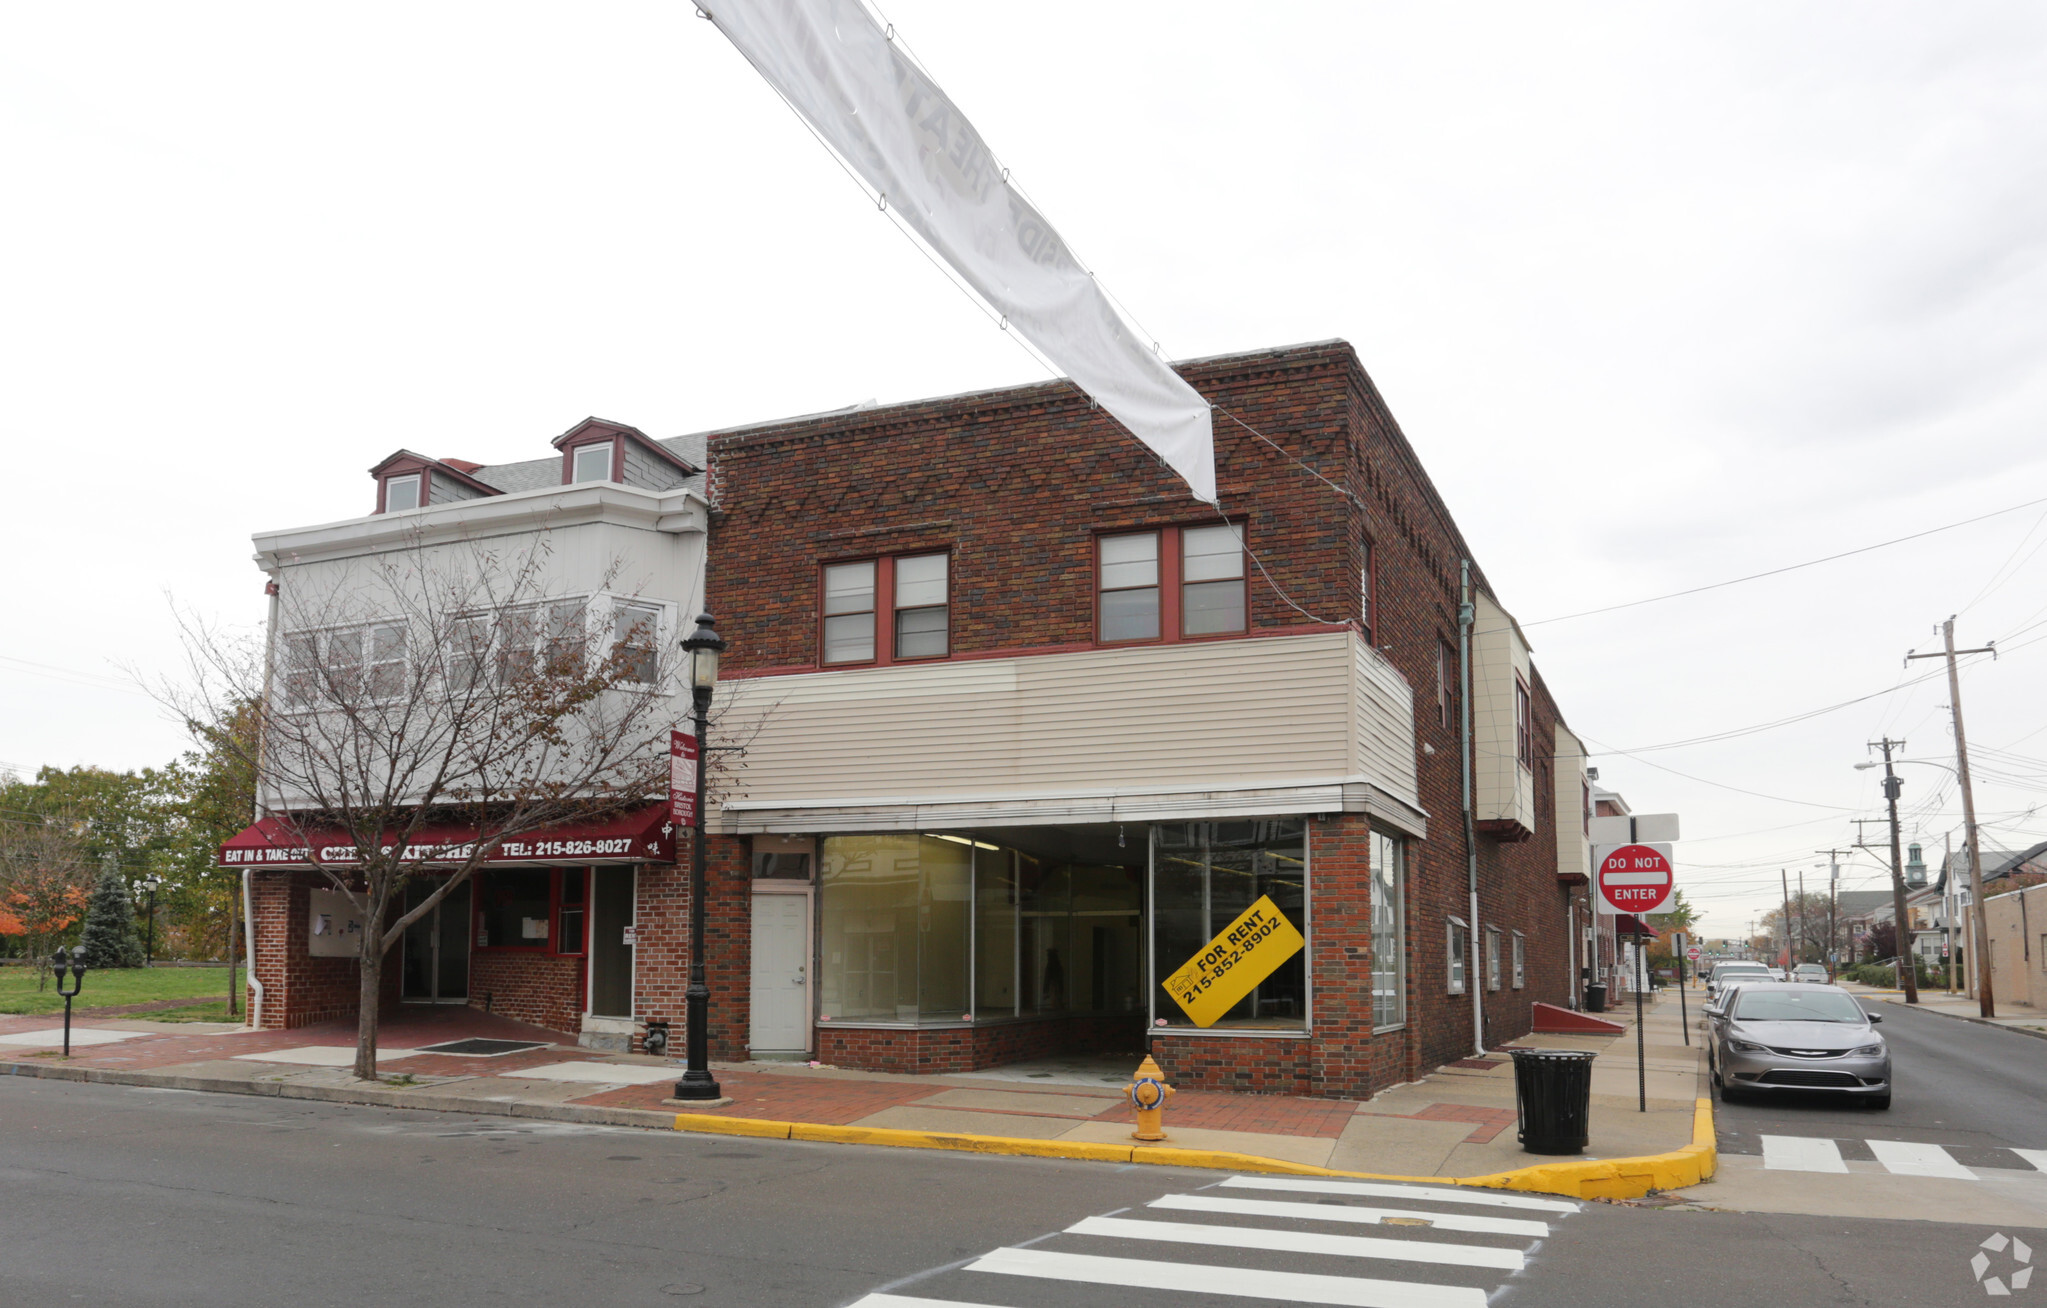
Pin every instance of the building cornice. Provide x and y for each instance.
(680, 511)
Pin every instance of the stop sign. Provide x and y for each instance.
(1636, 878)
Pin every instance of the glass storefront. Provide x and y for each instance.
(1204, 875)
(981, 926)
(931, 928)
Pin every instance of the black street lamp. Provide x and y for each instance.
(76, 957)
(703, 647)
(150, 883)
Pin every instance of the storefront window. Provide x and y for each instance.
(1204, 874)
(514, 908)
(949, 928)
(1389, 941)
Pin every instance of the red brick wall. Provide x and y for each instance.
(970, 1048)
(661, 958)
(299, 989)
(1017, 483)
(528, 985)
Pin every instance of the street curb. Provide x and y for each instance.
(424, 1099)
(1611, 1178)
(1964, 1017)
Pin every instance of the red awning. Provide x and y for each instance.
(1630, 925)
(641, 835)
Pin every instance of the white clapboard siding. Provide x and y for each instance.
(1275, 713)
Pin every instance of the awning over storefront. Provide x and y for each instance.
(640, 835)
(1630, 925)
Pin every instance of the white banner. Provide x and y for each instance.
(897, 130)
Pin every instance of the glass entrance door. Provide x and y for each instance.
(435, 969)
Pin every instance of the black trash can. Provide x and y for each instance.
(1553, 1094)
(1595, 998)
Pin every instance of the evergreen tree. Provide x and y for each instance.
(109, 937)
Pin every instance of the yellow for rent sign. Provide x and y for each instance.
(1231, 965)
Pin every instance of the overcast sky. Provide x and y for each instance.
(1662, 294)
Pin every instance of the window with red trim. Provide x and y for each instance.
(911, 591)
(405, 491)
(1169, 583)
(543, 909)
(1524, 734)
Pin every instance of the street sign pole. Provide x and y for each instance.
(1641, 1041)
(1677, 951)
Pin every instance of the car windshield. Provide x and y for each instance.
(1772, 1004)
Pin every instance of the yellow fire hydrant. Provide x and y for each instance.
(1148, 1093)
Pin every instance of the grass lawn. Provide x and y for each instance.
(114, 986)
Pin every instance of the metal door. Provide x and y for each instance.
(781, 973)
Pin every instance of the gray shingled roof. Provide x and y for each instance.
(534, 474)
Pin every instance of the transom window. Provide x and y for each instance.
(401, 493)
(593, 462)
(912, 589)
(1169, 584)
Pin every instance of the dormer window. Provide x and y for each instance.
(401, 493)
(593, 461)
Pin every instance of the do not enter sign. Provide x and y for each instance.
(1635, 878)
(1693, 953)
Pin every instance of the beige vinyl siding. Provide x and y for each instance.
(1574, 847)
(1505, 788)
(1275, 714)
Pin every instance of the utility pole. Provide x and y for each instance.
(1909, 975)
(1804, 936)
(1833, 908)
(1785, 877)
(1986, 1000)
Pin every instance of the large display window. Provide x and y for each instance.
(1204, 874)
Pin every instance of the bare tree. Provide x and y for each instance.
(436, 686)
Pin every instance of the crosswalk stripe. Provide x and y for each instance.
(1375, 1190)
(1798, 1153)
(1918, 1160)
(2037, 1157)
(1208, 1203)
(1314, 1242)
(908, 1301)
(1200, 1278)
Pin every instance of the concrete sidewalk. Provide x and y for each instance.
(1459, 1121)
(2018, 1017)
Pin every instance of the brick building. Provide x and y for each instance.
(1022, 726)
(1025, 725)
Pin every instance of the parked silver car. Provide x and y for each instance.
(1795, 1038)
(1733, 971)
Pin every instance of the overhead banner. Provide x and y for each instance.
(901, 134)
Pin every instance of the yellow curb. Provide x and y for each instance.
(1610, 1178)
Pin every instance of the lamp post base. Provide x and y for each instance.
(697, 1087)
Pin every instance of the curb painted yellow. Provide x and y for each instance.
(1610, 1178)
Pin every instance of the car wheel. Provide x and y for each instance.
(1880, 1102)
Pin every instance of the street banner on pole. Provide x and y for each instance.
(682, 778)
(1231, 965)
(870, 102)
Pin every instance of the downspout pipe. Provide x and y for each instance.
(1465, 613)
(248, 891)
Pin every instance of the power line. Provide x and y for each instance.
(1790, 567)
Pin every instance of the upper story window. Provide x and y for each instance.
(913, 590)
(1524, 726)
(593, 462)
(401, 493)
(1446, 683)
(635, 632)
(347, 666)
(1170, 583)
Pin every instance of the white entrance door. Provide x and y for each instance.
(781, 977)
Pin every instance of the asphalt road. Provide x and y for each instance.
(121, 1196)
(1978, 1091)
